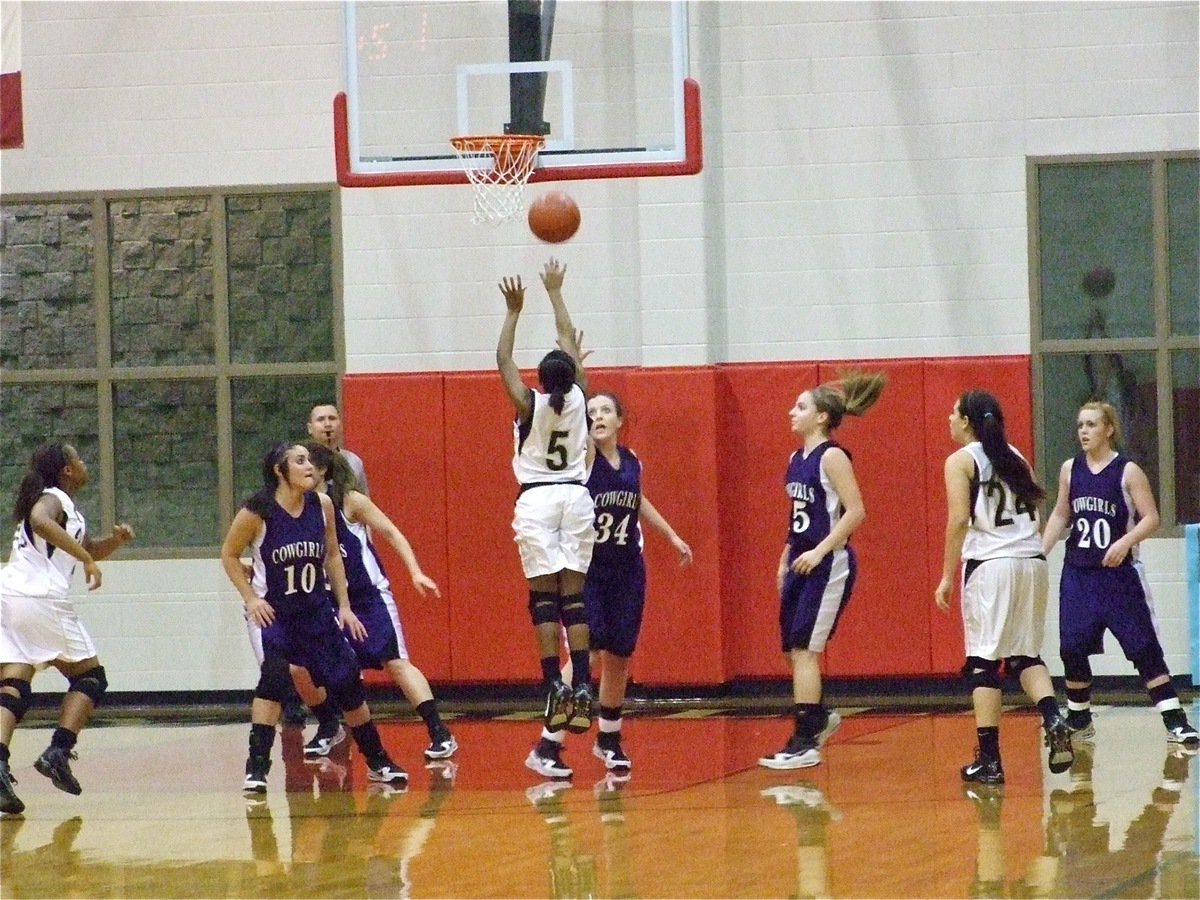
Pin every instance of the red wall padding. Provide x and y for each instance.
(395, 423)
(714, 441)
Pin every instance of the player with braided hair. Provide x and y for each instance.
(817, 567)
(552, 521)
(38, 622)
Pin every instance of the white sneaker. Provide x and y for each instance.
(792, 758)
(547, 765)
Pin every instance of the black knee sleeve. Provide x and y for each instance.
(1015, 665)
(1149, 662)
(573, 610)
(274, 679)
(980, 672)
(348, 695)
(543, 607)
(1077, 667)
(18, 703)
(92, 684)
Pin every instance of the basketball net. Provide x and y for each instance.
(498, 167)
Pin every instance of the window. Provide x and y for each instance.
(1116, 313)
(172, 339)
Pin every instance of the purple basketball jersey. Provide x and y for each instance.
(617, 496)
(1100, 511)
(816, 507)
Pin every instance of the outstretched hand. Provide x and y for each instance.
(583, 354)
(514, 293)
(553, 274)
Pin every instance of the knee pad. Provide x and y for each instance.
(573, 610)
(1015, 665)
(348, 695)
(1077, 667)
(92, 684)
(543, 607)
(980, 672)
(18, 703)
(1149, 662)
(274, 679)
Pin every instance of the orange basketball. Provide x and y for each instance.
(554, 217)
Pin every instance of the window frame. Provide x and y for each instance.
(1161, 344)
(221, 371)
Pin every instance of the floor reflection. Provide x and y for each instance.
(883, 816)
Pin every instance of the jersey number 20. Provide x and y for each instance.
(1098, 532)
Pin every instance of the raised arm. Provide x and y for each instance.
(361, 508)
(514, 300)
(567, 337)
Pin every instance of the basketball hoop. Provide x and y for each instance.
(498, 167)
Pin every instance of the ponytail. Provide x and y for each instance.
(262, 500)
(45, 470)
(338, 475)
(854, 392)
(556, 373)
(986, 419)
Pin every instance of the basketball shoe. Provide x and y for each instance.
(608, 748)
(257, 768)
(1058, 739)
(984, 770)
(55, 764)
(442, 746)
(9, 801)
(799, 753)
(559, 703)
(329, 735)
(581, 710)
(546, 759)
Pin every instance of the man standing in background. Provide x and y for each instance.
(325, 425)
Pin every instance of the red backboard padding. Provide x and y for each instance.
(715, 442)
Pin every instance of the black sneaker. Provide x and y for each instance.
(1180, 731)
(55, 764)
(9, 801)
(581, 710)
(442, 746)
(984, 770)
(546, 760)
(558, 707)
(257, 768)
(1058, 739)
(328, 736)
(608, 748)
(384, 771)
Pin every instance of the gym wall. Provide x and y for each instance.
(863, 198)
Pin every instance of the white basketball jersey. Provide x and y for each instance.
(553, 448)
(37, 568)
(1000, 526)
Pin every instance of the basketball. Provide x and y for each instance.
(1099, 282)
(554, 217)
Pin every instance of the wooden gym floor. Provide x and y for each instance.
(884, 815)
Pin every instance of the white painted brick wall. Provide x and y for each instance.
(863, 196)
